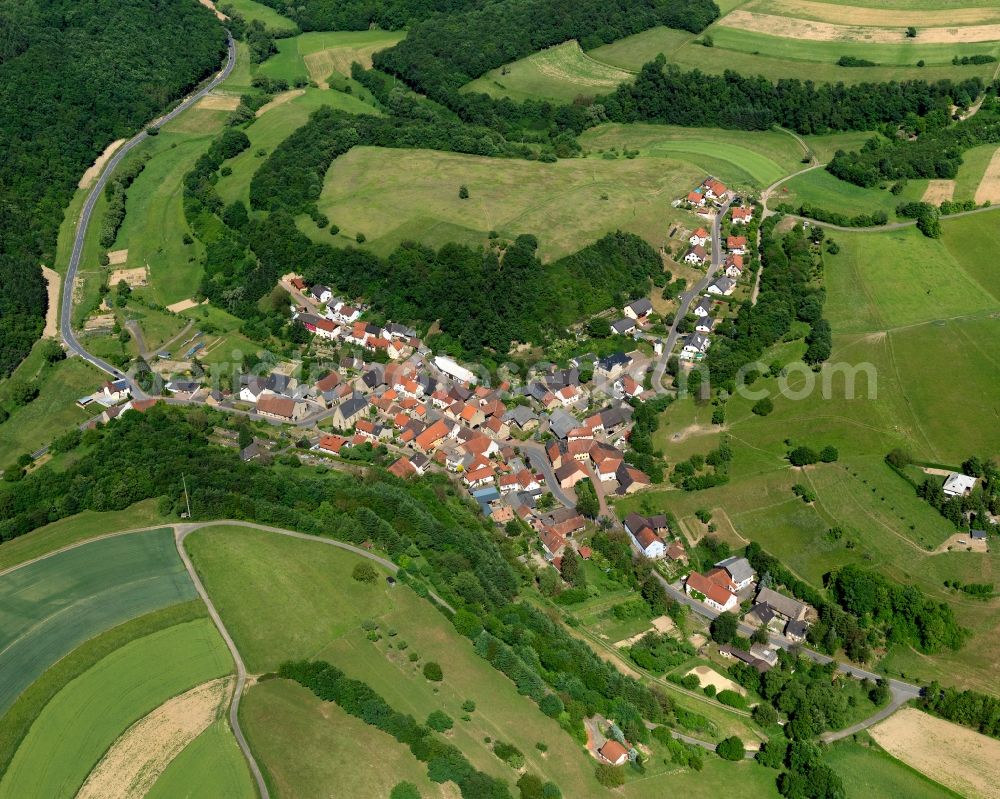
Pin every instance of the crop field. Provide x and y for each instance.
(882, 12)
(316, 55)
(273, 127)
(211, 765)
(251, 11)
(51, 606)
(283, 598)
(975, 162)
(105, 700)
(394, 195)
(310, 748)
(868, 771)
(560, 73)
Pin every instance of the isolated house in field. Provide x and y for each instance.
(613, 752)
(698, 238)
(710, 592)
(696, 255)
(639, 309)
(958, 485)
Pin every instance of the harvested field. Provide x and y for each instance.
(320, 66)
(878, 17)
(139, 276)
(219, 102)
(938, 191)
(92, 173)
(989, 186)
(135, 761)
(663, 624)
(561, 63)
(104, 321)
(183, 305)
(826, 32)
(709, 676)
(954, 756)
(117, 257)
(280, 99)
(52, 283)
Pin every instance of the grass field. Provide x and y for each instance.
(307, 746)
(211, 765)
(72, 529)
(975, 240)
(868, 771)
(105, 700)
(251, 11)
(283, 598)
(559, 74)
(633, 51)
(394, 195)
(316, 55)
(970, 173)
(273, 127)
(818, 187)
(53, 605)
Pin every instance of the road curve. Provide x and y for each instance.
(66, 313)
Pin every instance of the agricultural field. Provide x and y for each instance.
(52, 605)
(284, 598)
(318, 55)
(633, 51)
(869, 771)
(882, 12)
(105, 701)
(397, 195)
(211, 765)
(953, 755)
(560, 74)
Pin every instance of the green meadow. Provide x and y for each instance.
(633, 51)
(868, 771)
(253, 11)
(317, 55)
(393, 195)
(819, 188)
(51, 606)
(211, 765)
(106, 700)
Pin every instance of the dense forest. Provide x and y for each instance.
(935, 153)
(483, 299)
(74, 76)
(665, 94)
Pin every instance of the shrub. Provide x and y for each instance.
(469, 706)
(731, 748)
(463, 193)
(509, 754)
(439, 721)
(432, 671)
(829, 454)
(765, 715)
(763, 407)
(732, 699)
(364, 573)
(405, 790)
(803, 456)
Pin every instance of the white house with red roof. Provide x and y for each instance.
(713, 593)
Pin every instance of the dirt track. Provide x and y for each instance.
(52, 283)
(91, 174)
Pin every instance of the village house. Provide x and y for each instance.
(639, 309)
(622, 327)
(697, 199)
(284, 408)
(742, 215)
(698, 238)
(614, 364)
(734, 266)
(613, 752)
(570, 473)
(695, 347)
(739, 570)
(787, 608)
(715, 189)
(332, 444)
(628, 386)
(402, 468)
(630, 479)
(321, 293)
(113, 392)
(704, 307)
(723, 287)
(349, 411)
(644, 537)
(736, 244)
(696, 255)
(712, 593)
(705, 325)
(958, 485)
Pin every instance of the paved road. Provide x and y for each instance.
(688, 297)
(66, 315)
(539, 461)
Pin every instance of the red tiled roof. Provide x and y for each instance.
(713, 591)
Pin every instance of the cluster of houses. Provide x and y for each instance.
(732, 581)
(114, 397)
(710, 194)
(635, 317)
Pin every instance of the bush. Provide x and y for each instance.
(609, 776)
(732, 699)
(469, 706)
(463, 193)
(724, 628)
(405, 790)
(829, 454)
(803, 456)
(364, 573)
(440, 721)
(763, 407)
(731, 748)
(432, 671)
(509, 754)
(765, 715)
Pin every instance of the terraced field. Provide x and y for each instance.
(51, 606)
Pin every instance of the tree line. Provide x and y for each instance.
(74, 76)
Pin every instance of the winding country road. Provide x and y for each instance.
(66, 314)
